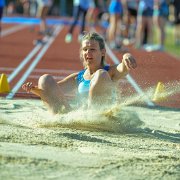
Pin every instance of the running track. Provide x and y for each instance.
(22, 61)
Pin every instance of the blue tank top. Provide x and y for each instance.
(84, 85)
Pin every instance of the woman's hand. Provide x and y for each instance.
(28, 86)
(129, 61)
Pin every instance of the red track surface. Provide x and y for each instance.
(152, 67)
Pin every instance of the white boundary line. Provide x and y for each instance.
(25, 61)
(13, 30)
(34, 63)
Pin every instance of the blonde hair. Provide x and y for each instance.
(93, 36)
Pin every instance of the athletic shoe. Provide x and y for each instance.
(39, 41)
(68, 38)
(118, 47)
(49, 32)
(128, 41)
(155, 47)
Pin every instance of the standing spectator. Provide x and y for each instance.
(144, 19)
(95, 10)
(161, 12)
(129, 18)
(42, 12)
(43, 8)
(33, 8)
(26, 7)
(176, 4)
(2, 4)
(80, 8)
(95, 16)
(115, 13)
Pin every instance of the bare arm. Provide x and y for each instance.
(122, 69)
(29, 87)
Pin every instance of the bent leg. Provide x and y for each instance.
(52, 94)
(100, 88)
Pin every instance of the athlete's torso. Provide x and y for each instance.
(83, 84)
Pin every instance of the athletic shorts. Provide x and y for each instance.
(164, 10)
(43, 3)
(148, 12)
(115, 7)
(132, 12)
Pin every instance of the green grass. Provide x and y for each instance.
(170, 42)
(170, 45)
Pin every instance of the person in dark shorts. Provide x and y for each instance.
(144, 20)
(80, 10)
(129, 18)
(160, 15)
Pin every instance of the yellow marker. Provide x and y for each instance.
(160, 93)
(4, 85)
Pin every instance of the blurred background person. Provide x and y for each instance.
(2, 5)
(160, 15)
(80, 8)
(115, 9)
(176, 4)
(10, 7)
(43, 7)
(96, 16)
(130, 8)
(96, 9)
(30, 10)
(144, 20)
(26, 7)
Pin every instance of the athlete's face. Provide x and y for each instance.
(91, 53)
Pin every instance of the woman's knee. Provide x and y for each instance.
(101, 86)
(101, 77)
(101, 74)
(46, 81)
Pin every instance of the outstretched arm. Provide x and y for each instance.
(128, 62)
(122, 69)
(29, 87)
